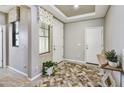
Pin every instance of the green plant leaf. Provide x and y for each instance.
(111, 56)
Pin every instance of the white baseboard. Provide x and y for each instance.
(75, 61)
(24, 74)
(35, 77)
(18, 71)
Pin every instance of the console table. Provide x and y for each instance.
(108, 71)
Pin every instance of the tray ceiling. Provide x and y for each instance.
(67, 13)
(70, 10)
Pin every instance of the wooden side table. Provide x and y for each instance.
(109, 70)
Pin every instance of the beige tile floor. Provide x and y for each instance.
(10, 78)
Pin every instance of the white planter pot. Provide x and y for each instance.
(49, 71)
(113, 64)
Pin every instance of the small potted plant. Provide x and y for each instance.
(48, 67)
(112, 58)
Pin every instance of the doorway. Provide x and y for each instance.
(93, 43)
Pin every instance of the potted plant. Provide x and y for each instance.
(112, 58)
(48, 67)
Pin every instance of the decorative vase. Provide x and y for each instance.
(113, 64)
(49, 71)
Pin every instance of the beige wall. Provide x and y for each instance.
(74, 36)
(46, 57)
(36, 58)
(26, 57)
(18, 56)
(3, 18)
(3, 21)
(114, 30)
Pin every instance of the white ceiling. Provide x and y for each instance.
(6, 8)
(100, 11)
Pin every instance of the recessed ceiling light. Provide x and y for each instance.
(76, 6)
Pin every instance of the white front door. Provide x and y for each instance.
(1, 47)
(93, 43)
(57, 41)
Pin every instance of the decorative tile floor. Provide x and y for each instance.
(72, 75)
(67, 75)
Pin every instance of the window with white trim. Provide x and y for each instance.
(44, 38)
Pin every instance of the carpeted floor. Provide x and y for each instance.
(72, 75)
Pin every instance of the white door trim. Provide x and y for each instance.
(102, 38)
(58, 26)
(3, 45)
(1, 50)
